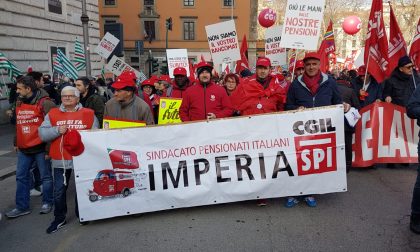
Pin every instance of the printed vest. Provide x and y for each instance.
(28, 119)
(79, 120)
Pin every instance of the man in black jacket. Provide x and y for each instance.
(402, 83)
(367, 88)
(89, 98)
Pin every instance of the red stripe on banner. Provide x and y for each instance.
(384, 134)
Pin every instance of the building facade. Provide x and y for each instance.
(32, 30)
(145, 20)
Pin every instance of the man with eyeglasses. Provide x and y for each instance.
(401, 84)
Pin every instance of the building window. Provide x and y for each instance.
(109, 20)
(55, 6)
(228, 3)
(149, 30)
(110, 2)
(149, 2)
(188, 2)
(189, 30)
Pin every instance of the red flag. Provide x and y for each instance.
(397, 46)
(376, 44)
(327, 47)
(243, 64)
(123, 159)
(202, 58)
(29, 68)
(192, 68)
(227, 70)
(415, 47)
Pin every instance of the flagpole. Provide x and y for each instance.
(294, 64)
(367, 68)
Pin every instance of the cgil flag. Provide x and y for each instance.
(12, 70)
(376, 44)
(243, 63)
(68, 68)
(79, 56)
(415, 47)
(397, 46)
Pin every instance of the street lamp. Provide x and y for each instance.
(85, 24)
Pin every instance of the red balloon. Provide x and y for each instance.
(352, 25)
(267, 17)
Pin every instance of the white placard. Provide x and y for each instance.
(273, 51)
(182, 165)
(223, 42)
(118, 66)
(177, 58)
(302, 24)
(107, 45)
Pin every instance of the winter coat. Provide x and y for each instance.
(198, 101)
(95, 102)
(299, 94)
(374, 91)
(134, 109)
(178, 92)
(250, 97)
(349, 96)
(400, 87)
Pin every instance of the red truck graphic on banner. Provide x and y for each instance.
(119, 180)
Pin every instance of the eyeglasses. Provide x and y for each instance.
(409, 67)
(68, 96)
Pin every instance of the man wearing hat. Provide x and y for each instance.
(205, 100)
(368, 90)
(299, 69)
(401, 84)
(59, 128)
(312, 89)
(164, 87)
(125, 104)
(181, 82)
(259, 94)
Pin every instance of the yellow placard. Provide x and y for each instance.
(114, 123)
(169, 110)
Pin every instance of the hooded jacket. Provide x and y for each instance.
(200, 100)
(400, 87)
(299, 94)
(178, 92)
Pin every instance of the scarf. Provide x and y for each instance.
(312, 82)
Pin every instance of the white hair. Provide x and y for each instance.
(72, 89)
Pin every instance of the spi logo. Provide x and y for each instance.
(316, 153)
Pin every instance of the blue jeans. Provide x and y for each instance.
(415, 203)
(60, 191)
(23, 179)
(35, 177)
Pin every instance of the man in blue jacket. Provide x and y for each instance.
(312, 89)
(413, 111)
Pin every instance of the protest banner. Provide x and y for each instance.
(117, 66)
(302, 24)
(169, 110)
(107, 45)
(177, 58)
(273, 51)
(113, 123)
(223, 42)
(384, 134)
(211, 162)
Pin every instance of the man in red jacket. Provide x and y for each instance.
(205, 100)
(260, 94)
(181, 83)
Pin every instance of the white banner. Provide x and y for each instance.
(129, 171)
(273, 51)
(107, 45)
(223, 42)
(118, 66)
(302, 24)
(177, 58)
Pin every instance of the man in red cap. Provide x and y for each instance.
(125, 104)
(181, 82)
(70, 116)
(312, 89)
(299, 69)
(260, 93)
(205, 100)
(367, 88)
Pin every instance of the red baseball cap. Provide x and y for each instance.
(263, 61)
(72, 143)
(180, 71)
(165, 78)
(147, 82)
(361, 70)
(126, 79)
(299, 64)
(311, 55)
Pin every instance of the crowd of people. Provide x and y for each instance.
(44, 132)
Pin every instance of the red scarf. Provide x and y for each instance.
(312, 82)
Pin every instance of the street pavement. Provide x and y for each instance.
(372, 216)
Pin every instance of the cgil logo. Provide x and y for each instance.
(315, 153)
